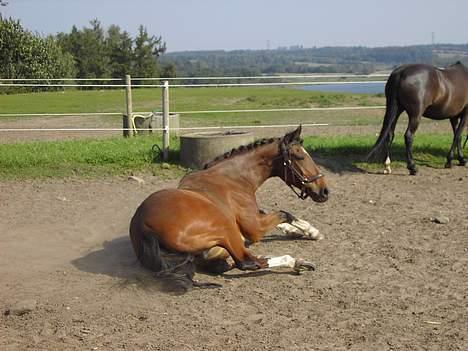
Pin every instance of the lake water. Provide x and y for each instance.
(356, 88)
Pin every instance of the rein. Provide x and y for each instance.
(288, 165)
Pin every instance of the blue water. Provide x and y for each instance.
(357, 88)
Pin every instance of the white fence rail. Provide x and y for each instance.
(129, 128)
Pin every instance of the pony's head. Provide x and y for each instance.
(298, 169)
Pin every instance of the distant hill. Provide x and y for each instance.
(311, 60)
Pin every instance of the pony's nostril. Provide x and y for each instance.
(324, 192)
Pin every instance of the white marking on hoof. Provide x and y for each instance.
(300, 228)
(387, 169)
(285, 261)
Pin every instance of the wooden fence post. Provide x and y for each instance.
(127, 124)
(165, 120)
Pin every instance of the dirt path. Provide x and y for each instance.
(387, 278)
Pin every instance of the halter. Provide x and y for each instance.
(288, 165)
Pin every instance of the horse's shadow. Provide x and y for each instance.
(117, 259)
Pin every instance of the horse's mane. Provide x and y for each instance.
(240, 150)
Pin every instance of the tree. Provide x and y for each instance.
(89, 50)
(169, 70)
(25, 55)
(120, 50)
(147, 50)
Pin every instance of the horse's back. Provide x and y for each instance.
(183, 220)
(425, 89)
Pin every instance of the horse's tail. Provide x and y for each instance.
(174, 270)
(391, 114)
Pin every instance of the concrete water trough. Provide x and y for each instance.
(196, 149)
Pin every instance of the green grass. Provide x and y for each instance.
(84, 158)
(349, 152)
(119, 156)
(190, 99)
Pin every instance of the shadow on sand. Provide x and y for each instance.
(117, 259)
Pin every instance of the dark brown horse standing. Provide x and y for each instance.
(217, 208)
(424, 90)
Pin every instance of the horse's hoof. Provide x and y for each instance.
(250, 265)
(303, 265)
(448, 165)
(462, 163)
(413, 172)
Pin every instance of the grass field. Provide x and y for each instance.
(119, 156)
(114, 155)
(182, 99)
(200, 99)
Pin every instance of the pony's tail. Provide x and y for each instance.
(174, 270)
(391, 114)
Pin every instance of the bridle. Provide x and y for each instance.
(288, 165)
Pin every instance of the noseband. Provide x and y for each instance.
(288, 165)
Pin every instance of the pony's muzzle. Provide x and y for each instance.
(318, 195)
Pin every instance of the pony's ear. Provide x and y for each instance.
(293, 136)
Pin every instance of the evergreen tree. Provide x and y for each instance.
(120, 49)
(147, 50)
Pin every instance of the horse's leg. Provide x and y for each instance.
(413, 123)
(244, 260)
(454, 123)
(300, 228)
(214, 260)
(257, 223)
(458, 136)
(287, 261)
(388, 146)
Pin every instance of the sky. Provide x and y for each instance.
(257, 24)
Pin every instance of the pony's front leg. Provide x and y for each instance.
(255, 225)
(300, 228)
(286, 261)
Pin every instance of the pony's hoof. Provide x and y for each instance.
(303, 265)
(448, 165)
(462, 163)
(250, 265)
(413, 172)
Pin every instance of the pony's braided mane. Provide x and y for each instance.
(240, 150)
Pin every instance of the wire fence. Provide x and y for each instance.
(129, 126)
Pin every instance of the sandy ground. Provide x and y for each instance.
(387, 278)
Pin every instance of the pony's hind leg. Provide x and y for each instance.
(454, 122)
(413, 123)
(461, 127)
(391, 136)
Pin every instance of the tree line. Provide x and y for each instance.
(89, 52)
(362, 60)
(97, 52)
